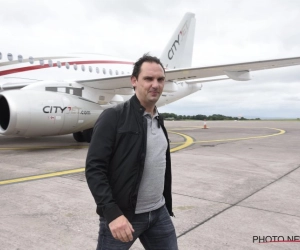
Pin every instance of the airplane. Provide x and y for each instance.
(35, 102)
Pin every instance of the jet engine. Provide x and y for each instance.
(31, 113)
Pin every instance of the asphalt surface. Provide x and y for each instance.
(235, 186)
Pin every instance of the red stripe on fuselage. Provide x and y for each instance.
(34, 67)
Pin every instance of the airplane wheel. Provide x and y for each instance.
(78, 136)
(87, 134)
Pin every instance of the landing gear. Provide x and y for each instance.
(78, 136)
(83, 136)
(87, 134)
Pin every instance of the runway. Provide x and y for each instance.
(231, 182)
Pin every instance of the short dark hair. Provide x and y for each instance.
(145, 58)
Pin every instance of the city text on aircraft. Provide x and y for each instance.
(55, 109)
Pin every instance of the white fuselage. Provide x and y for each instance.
(62, 71)
(61, 95)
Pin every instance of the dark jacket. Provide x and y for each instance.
(116, 158)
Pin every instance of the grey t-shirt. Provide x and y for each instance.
(150, 195)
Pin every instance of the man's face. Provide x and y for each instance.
(150, 83)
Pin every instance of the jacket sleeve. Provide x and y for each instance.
(97, 163)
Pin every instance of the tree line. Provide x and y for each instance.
(214, 117)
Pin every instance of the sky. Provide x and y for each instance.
(227, 32)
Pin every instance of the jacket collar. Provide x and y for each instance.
(137, 105)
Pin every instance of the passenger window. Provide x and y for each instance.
(20, 58)
(31, 60)
(97, 70)
(67, 65)
(117, 73)
(104, 71)
(50, 63)
(110, 71)
(58, 64)
(0, 56)
(90, 69)
(41, 62)
(10, 57)
(75, 66)
(82, 67)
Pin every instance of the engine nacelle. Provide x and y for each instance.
(32, 113)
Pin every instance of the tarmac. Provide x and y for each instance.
(235, 186)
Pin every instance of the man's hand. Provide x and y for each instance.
(121, 229)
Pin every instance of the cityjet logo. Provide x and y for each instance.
(55, 109)
(181, 34)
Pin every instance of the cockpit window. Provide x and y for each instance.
(20, 58)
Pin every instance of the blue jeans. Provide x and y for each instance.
(154, 229)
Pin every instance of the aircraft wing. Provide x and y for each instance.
(109, 83)
(231, 70)
(238, 71)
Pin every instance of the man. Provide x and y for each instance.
(128, 167)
